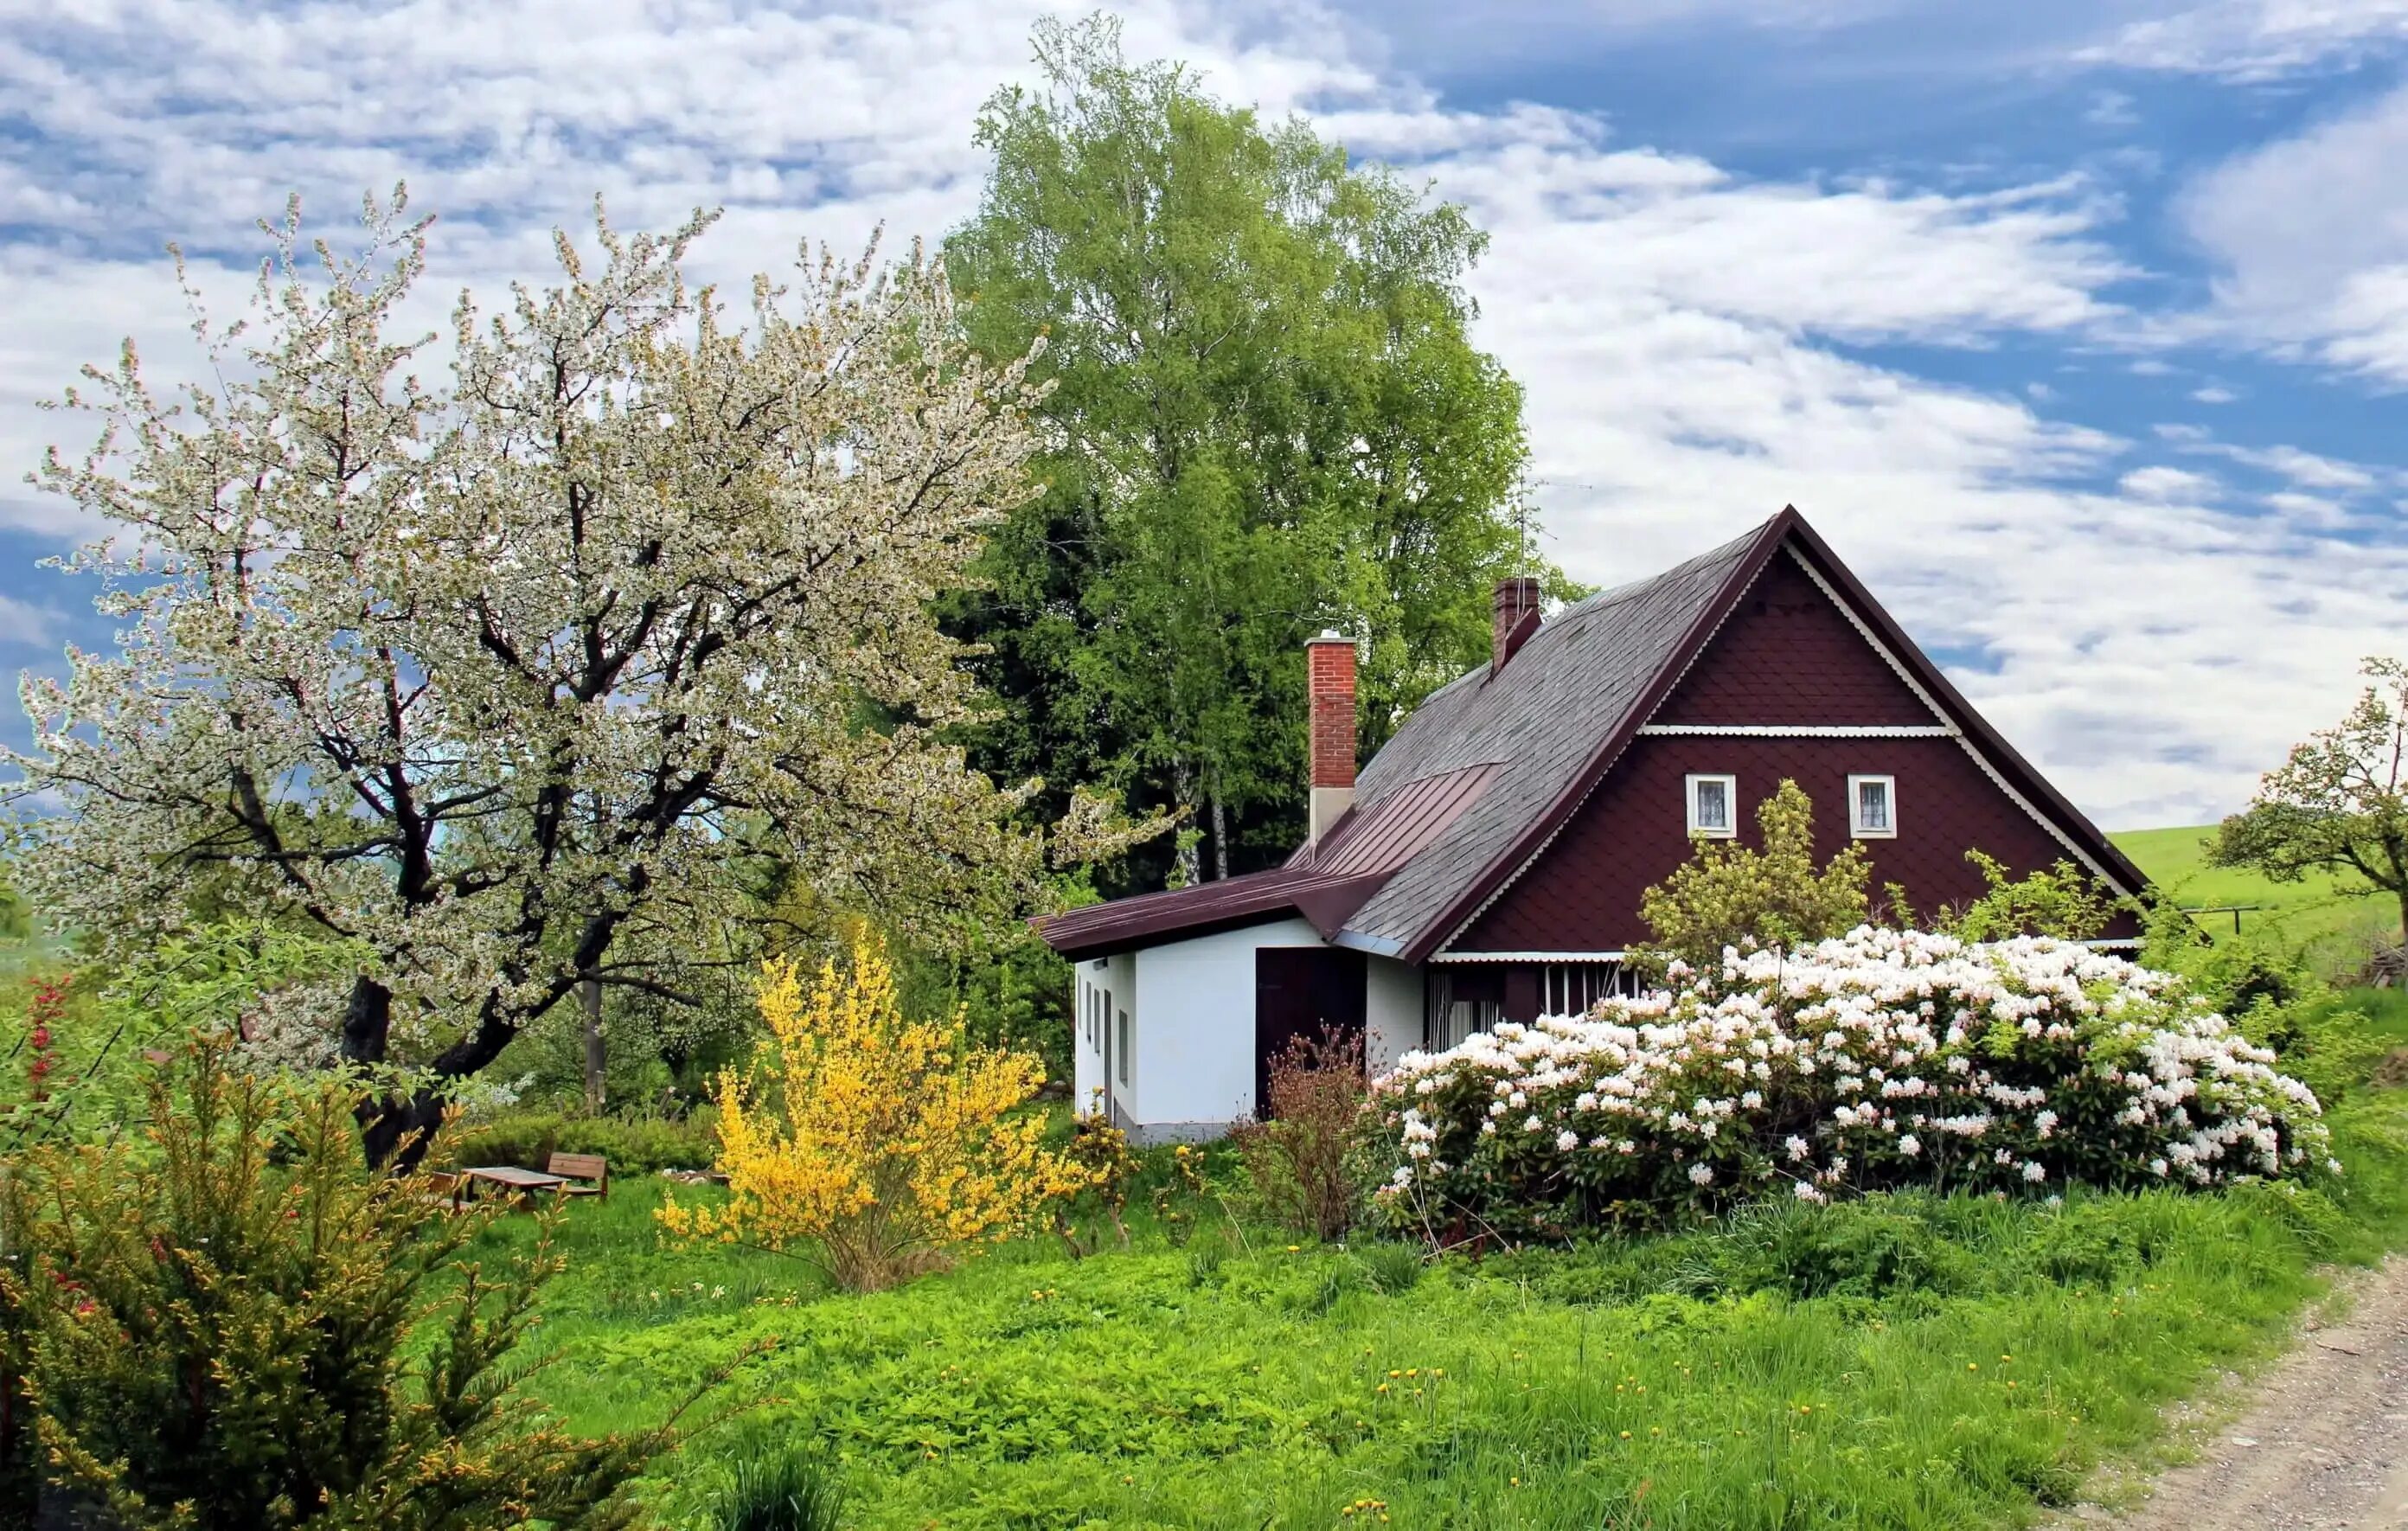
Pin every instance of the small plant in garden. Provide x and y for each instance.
(225, 1326)
(1175, 1197)
(1101, 1151)
(1298, 1160)
(1729, 895)
(774, 1488)
(870, 1144)
(1886, 1058)
(43, 1013)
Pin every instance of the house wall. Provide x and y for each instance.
(1391, 1012)
(1787, 657)
(1583, 893)
(1115, 976)
(1788, 654)
(1194, 1023)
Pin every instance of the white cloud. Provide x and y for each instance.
(2112, 109)
(2309, 236)
(1671, 321)
(2168, 483)
(2248, 41)
(2213, 394)
(2305, 470)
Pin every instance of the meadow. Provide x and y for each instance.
(1901, 1361)
(2320, 915)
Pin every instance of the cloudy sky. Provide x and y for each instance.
(2079, 326)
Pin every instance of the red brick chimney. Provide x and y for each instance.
(1329, 690)
(1517, 617)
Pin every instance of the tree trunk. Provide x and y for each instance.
(367, 1021)
(1220, 841)
(1182, 792)
(398, 1131)
(589, 998)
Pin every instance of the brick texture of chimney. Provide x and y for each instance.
(1329, 690)
(1517, 617)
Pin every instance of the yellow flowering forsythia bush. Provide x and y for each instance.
(884, 1141)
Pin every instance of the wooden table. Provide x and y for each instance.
(524, 1183)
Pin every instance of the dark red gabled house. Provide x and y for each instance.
(1487, 863)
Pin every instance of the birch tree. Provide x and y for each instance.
(1269, 418)
(503, 679)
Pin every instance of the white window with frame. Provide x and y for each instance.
(1872, 807)
(1714, 806)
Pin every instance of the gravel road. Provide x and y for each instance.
(2321, 1442)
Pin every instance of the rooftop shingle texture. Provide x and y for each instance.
(1540, 719)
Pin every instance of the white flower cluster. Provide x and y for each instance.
(1881, 1058)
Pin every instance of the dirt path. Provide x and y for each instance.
(2321, 1443)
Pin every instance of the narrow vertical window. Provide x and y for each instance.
(1126, 1049)
(1872, 807)
(1711, 803)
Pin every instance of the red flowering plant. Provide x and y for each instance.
(43, 1013)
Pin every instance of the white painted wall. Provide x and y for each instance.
(1115, 977)
(1391, 1012)
(1194, 1022)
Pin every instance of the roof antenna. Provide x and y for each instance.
(1522, 527)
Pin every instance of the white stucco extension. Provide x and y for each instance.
(1191, 1025)
(1196, 1032)
(1391, 1012)
(1092, 1044)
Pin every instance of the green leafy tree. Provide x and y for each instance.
(226, 1324)
(1266, 417)
(2339, 804)
(1728, 893)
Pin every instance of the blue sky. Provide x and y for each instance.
(2079, 328)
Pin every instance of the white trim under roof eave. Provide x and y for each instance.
(1378, 946)
(1808, 731)
(1528, 956)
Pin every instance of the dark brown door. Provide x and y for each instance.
(1298, 990)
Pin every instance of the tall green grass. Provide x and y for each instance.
(1906, 1362)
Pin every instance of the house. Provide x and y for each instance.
(1487, 863)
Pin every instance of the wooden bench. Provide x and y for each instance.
(580, 1174)
(448, 1190)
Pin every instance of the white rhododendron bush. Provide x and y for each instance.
(1880, 1059)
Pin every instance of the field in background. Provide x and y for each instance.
(2316, 913)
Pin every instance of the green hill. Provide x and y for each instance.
(2319, 911)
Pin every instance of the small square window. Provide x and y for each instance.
(1872, 807)
(1714, 806)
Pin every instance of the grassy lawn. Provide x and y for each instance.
(1902, 1362)
(2316, 913)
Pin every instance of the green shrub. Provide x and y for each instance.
(639, 1145)
(1204, 1261)
(770, 1488)
(1392, 1268)
(225, 1328)
(1875, 1248)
